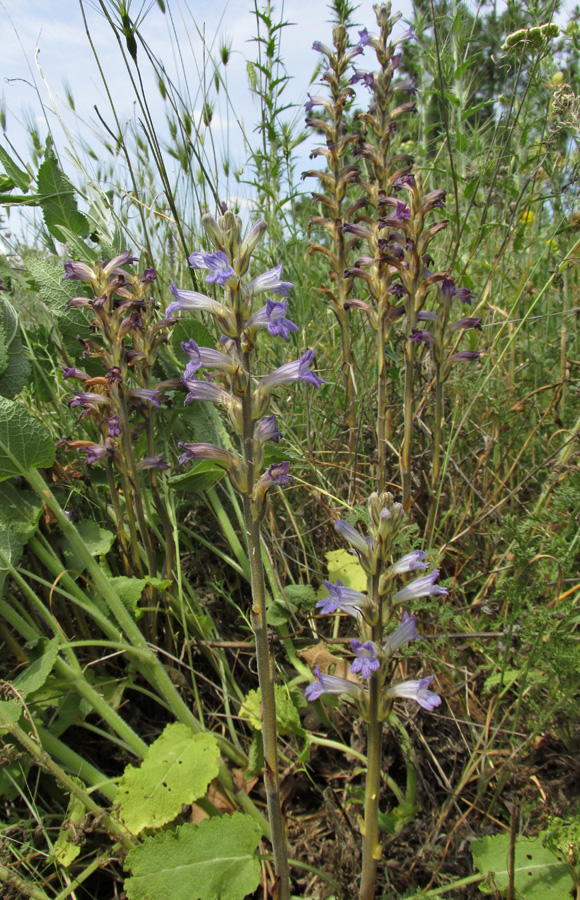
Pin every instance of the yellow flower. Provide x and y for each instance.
(527, 217)
(552, 246)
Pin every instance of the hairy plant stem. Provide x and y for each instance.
(371, 846)
(382, 400)
(133, 476)
(118, 516)
(408, 415)
(264, 662)
(436, 465)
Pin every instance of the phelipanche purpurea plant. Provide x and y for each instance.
(128, 335)
(229, 382)
(374, 655)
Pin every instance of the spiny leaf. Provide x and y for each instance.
(211, 861)
(177, 769)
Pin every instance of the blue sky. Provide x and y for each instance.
(45, 47)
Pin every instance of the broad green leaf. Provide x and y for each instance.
(130, 589)
(287, 718)
(20, 178)
(57, 199)
(177, 769)
(538, 873)
(201, 477)
(300, 596)
(212, 861)
(10, 711)
(277, 613)
(24, 441)
(14, 365)
(97, 540)
(345, 567)
(38, 671)
(19, 515)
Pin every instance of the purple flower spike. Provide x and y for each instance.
(331, 684)
(416, 690)
(217, 263)
(342, 598)
(293, 371)
(270, 281)
(267, 430)
(409, 562)
(366, 662)
(421, 587)
(406, 632)
(273, 317)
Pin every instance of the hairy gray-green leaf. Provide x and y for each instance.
(19, 515)
(34, 676)
(177, 769)
(20, 178)
(57, 199)
(212, 861)
(53, 291)
(24, 442)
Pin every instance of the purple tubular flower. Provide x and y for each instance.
(353, 537)
(397, 290)
(364, 77)
(402, 212)
(465, 356)
(420, 336)
(408, 563)
(290, 372)
(192, 300)
(364, 38)
(153, 462)
(316, 101)
(114, 426)
(96, 453)
(416, 690)
(205, 357)
(404, 181)
(342, 598)
(408, 86)
(319, 47)
(406, 632)
(270, 281)
(366, 662)
(217, 263)
(273, 317)
(469, 322)
(205, 390)
(276, 474)
(421, 587)
(204, 451)
(465, 295)
(407, 36)
(88, 400)
(426, 316)
(331, 684)
(114, 266)
(78, 271)
(148, 276)
(267, 430)
(77, 374)
(151, 395)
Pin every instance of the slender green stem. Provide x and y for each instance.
(408, 415)
(7, 876)
(382, 394)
